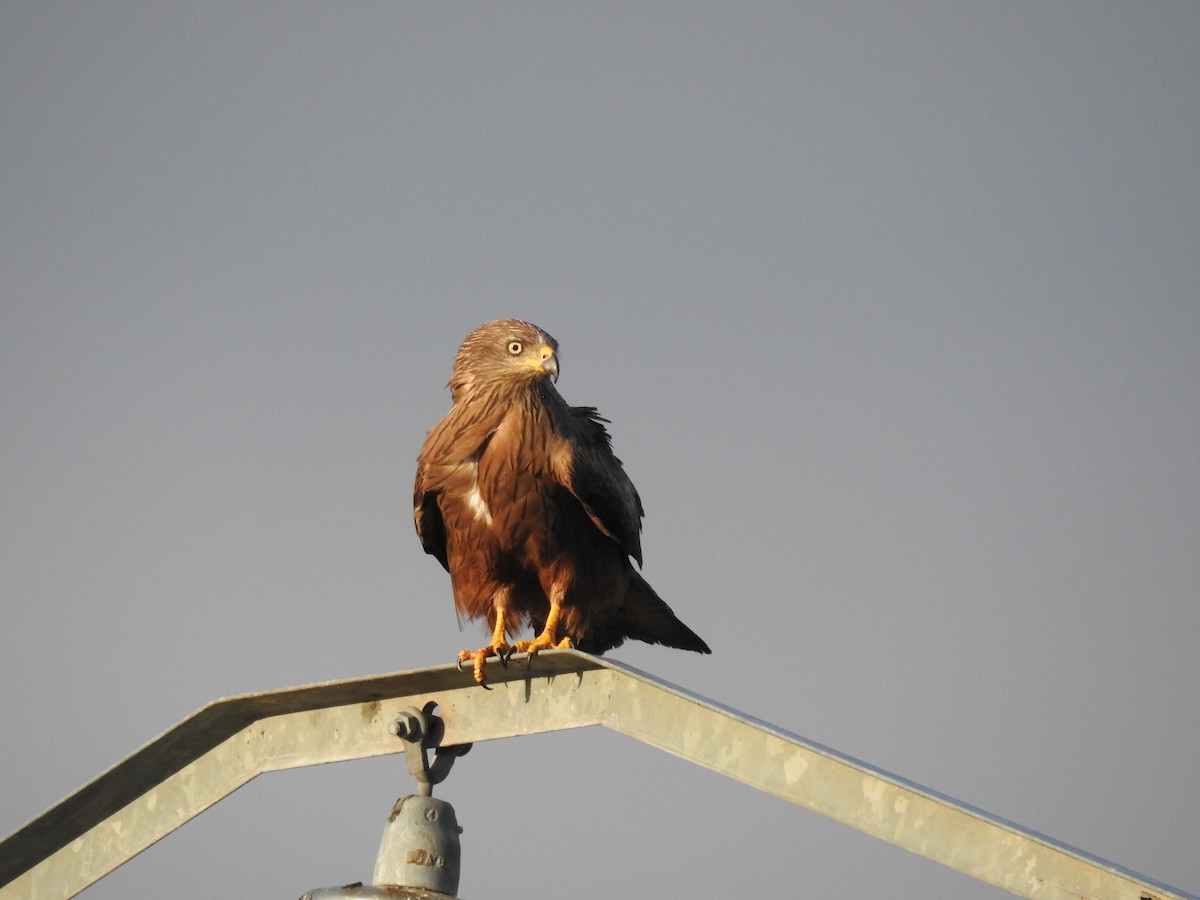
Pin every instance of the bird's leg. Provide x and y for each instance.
(548, 639)
(498, 648)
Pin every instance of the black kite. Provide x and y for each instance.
(520, 498)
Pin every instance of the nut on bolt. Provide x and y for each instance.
(407, 726)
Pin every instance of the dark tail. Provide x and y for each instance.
(646, 617)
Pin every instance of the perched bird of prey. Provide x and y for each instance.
(520, 498)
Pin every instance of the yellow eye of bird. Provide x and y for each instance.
(514, 347)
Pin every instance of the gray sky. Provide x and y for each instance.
(895, 309)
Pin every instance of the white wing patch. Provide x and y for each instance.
(478, 505)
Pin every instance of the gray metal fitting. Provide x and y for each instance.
(408, 726)
(420, 847)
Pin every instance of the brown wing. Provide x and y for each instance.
(453, 444)
(588, 468)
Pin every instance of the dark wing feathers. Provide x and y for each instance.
(598, 480)
(431, 527)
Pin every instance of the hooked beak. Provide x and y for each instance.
(549, 361)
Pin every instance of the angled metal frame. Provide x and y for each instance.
(227, 743)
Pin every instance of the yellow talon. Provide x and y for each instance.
(543, 642)
(501, 651)
(548, 639)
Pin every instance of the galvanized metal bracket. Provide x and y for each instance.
(223, 746)
(422, 730)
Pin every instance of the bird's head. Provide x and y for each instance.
(507, 352)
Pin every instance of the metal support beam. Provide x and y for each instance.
(227, 743)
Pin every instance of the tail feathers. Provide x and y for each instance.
(646, 617)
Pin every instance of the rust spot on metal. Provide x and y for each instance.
(370, 710)
(422, 857)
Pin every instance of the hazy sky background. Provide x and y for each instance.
(895, 309)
